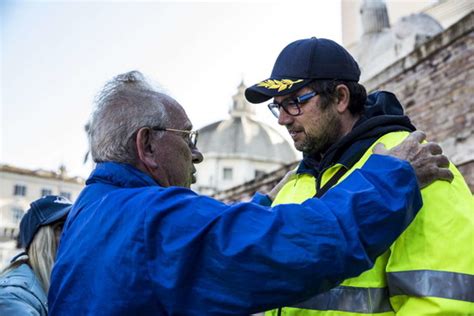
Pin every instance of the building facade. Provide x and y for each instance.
(18, 188)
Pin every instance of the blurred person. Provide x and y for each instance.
(429, 270)
(25, 282)
(138, 241)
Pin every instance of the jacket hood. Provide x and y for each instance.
(382, 114)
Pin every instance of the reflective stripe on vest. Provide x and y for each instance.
(451, 285)
(350, 299)
(419, 283)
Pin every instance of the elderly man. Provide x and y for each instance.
(139, 242)
(429, 270)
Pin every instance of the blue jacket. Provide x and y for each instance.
(21, 293)
(131, 247)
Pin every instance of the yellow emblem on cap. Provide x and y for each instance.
(281, 85)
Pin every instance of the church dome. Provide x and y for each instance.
(242, 136)
(239, 149)
(245, 137)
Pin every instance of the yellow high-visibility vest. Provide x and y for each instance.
(429, 269)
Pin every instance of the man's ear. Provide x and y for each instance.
(343, 98)
(146, 147)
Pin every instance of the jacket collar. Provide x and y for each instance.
(120, 174)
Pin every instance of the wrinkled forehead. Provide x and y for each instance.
(176, 114)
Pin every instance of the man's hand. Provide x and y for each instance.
(427, 159)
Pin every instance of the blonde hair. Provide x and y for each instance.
(41, 255)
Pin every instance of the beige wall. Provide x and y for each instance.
(34, 186)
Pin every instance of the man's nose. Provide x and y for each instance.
(197, 156)
(284, 118)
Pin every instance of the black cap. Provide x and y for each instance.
(47, 210)
(301, 62)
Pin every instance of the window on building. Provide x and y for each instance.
(17, 214)
(67, 195)
(46, 192)
(19, 190)
(227, 174)
(259, 173)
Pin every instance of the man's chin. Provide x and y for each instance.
(299, 146)
(306, 150)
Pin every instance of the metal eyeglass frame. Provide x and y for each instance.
(192, 135)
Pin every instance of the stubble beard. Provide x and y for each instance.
(327, 135)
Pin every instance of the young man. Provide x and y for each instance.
(429, 270)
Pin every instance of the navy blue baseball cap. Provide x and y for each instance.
(301, 62)
(44, 211)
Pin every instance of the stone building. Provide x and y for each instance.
(445, 12)
(435, 84)
(382, 43)
(18, 188)
(239, 149)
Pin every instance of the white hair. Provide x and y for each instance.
(125, 104)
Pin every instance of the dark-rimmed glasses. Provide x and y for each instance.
(291, 105)
(192, 135)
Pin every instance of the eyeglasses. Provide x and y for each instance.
(192, 135)
(291, 106)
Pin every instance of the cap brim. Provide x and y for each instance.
(273, 87)
(57, 216)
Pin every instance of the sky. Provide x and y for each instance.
(56, 56)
